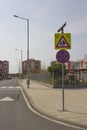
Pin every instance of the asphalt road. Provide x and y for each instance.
(14, 113)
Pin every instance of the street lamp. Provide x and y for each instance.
(28, 81)
(18, 62)
(21, 57)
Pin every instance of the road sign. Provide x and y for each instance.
(62, 41)
(62, 56)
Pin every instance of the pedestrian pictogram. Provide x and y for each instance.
(62, 56)
(62, 41)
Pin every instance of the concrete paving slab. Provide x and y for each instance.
(49, 101)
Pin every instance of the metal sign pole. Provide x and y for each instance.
(63, 87)
(62, 29)
(62, 57)
(63, 80)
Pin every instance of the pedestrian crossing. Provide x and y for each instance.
(10, 87)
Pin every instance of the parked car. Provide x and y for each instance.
(9, 77)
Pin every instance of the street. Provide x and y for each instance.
(14, 113)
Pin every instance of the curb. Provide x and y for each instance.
(32, 104)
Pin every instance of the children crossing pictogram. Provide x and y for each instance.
(62, 43)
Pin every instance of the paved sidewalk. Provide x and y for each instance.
(49, 101)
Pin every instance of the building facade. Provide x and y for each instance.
(34, 65)
(85, 61)
(80, 64)
(76, 69)
(4, 69)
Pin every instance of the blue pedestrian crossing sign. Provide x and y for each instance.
(62, 41)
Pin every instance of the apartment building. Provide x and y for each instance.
(4, 68)
(33, 65)
(1, 68)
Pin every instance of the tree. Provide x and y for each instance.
(56, 69)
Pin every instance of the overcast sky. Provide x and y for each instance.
(45, 17)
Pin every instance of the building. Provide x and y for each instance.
(75, 65)
(78, 69)
(4, 69)
(34, 65)
(1, 68)
(85, 61)
(54, 62)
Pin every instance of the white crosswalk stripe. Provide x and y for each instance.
(9, 87)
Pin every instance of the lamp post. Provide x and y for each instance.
(18, 65)
(28, 81)
(21, 57)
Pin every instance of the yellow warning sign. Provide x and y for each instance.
(62, 41)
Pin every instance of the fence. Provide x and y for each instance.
(56, 81)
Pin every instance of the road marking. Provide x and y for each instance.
(9, 87)
(6, 99)
(48, 118)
